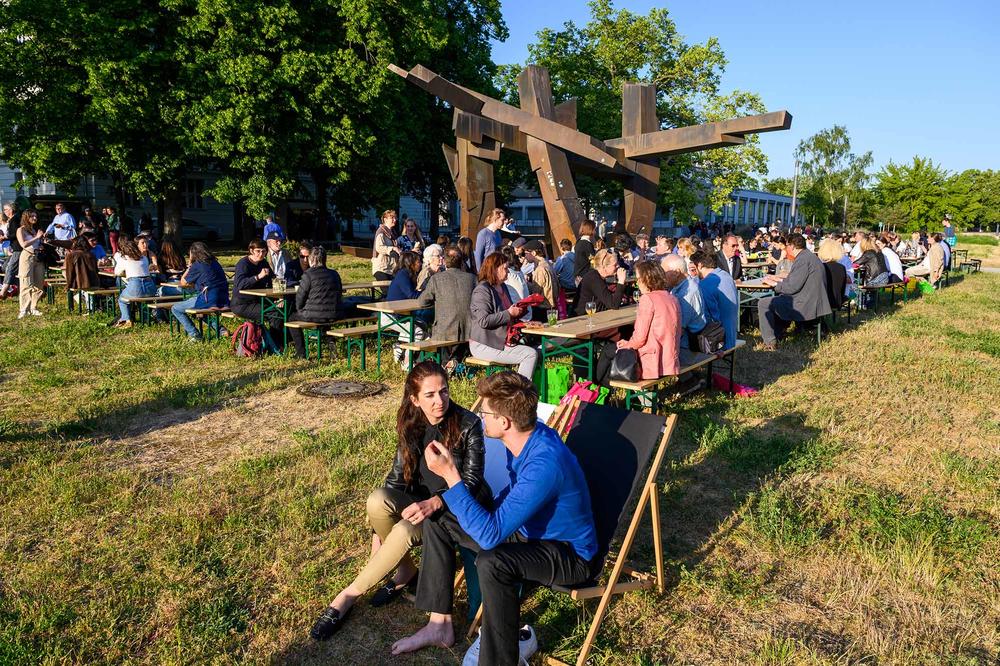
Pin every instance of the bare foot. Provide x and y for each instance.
(434, 634)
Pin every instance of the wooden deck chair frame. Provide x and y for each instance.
(560, 421)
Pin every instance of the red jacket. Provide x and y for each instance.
(657, 335)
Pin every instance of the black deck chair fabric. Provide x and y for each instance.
(613, 447)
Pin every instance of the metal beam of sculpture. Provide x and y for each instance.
(547, 133)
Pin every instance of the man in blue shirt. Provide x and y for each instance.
(564, 265)
(541, 528)
(273, 227)
(488, 239)
(63, 226)
(688, 293)
(718, 290)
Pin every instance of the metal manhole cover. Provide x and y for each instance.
(339, 388)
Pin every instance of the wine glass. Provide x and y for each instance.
(591, 309)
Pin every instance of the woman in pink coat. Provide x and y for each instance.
(657, 335)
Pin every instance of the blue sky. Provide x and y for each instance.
(905, 78)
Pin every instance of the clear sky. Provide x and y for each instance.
(905, 78)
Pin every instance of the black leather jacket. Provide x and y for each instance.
(468, 455)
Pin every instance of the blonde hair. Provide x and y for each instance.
(685, 247)
(830, 250)
(868, 244)
(602, 256)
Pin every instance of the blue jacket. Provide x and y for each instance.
(547, 499)
(210, 280)
(402, 287)
(722, 302)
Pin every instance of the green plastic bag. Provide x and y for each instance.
(602, 393)
(557, 380)
(925, 287)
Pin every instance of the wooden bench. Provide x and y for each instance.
(210, 314)
(312, 332)
(429, 348)
(648, 391)
(107, 296)
(971, 266)
(890, 286)
(145, 303)
(492, 367)
(50, 289)
(354, 337)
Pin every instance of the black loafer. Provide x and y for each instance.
(389, 592)
(328, 624)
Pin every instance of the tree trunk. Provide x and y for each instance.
(239, 215)
(119, 186)
(173, 208)
(281, 212)
(349, 231)
(435, 207)
(323, 204)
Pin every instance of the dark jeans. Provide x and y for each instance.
(501, 570)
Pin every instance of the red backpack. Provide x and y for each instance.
(248, 340)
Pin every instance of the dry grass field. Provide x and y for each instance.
(163, 502)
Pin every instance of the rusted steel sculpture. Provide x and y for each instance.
(546, 132)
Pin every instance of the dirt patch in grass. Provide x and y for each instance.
(177, 441)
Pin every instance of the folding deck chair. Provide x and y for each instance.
(614, 448)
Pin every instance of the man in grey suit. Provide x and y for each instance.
(801, 296)
(450, 292)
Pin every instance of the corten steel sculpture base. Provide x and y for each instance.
(547, 134)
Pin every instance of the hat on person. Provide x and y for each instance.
(274, 235)
(520, 242)
(536, 246)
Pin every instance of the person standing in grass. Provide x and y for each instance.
(412, 493)
(11, 267)
(31, 271)
(205, 274)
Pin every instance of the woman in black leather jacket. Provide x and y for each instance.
(412, 492)
(873, 263)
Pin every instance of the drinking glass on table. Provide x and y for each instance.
(591, 309)
(553, 316)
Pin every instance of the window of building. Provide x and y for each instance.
(193, 188)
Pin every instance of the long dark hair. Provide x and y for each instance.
(408, 262)
(199, 252)
(170, 255)
(411, 422)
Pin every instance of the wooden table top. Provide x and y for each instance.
(371, 284)
(755, 264)
(405, 306)
(576, 327)
(753, 284)
(270, 293)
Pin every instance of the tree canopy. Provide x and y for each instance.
(593, 61)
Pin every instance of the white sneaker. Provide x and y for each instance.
(527, 644)
(37, 313)
(22, 315)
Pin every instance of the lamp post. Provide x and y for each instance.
(795, 192)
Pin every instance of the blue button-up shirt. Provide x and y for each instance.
(63, 227)
(692, 306)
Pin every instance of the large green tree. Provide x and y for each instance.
(835, 171)
(262, 90)
(593, 61)
(918, 195)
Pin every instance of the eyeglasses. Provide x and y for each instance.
(484, 413)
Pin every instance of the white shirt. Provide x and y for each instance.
(893, 262)
(68, 224)
(518, 285)
(131, 268)
(856, 251)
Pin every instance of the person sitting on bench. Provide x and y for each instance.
(802, 296)
(204, 273)
(450, 294)
(412, 493)
(253, 272)
(541, 529)
(719, 293)
(318, 298)
(80, 269)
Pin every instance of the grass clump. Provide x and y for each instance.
(978, 239)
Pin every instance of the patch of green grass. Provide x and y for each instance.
(786, 516)
(978, 239)
(982, 475)
(881, 519)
